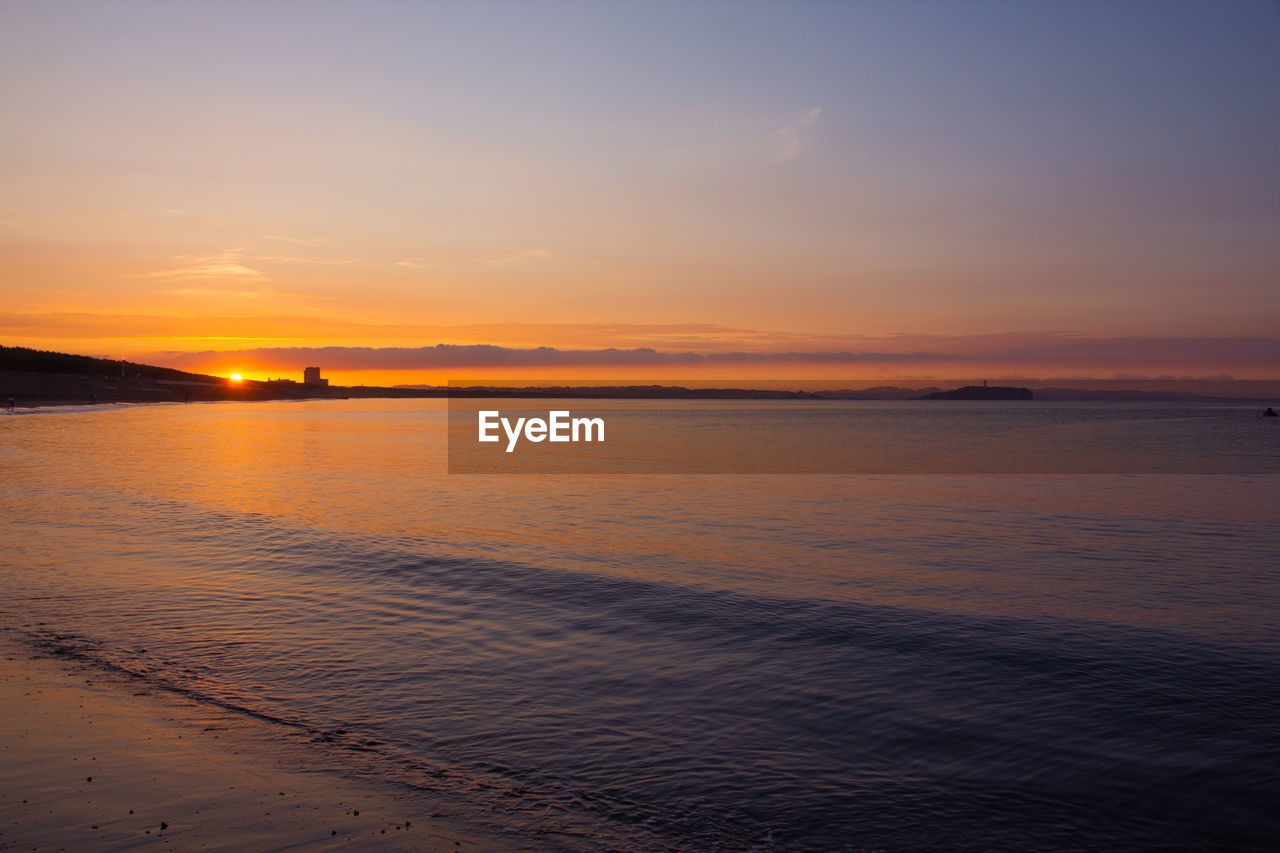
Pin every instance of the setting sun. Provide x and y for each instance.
(235, 377)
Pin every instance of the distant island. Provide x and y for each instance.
(982, 392)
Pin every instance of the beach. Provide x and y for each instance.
(96, 761)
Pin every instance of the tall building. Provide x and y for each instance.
(311, 376)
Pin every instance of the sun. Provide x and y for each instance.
(235, 377)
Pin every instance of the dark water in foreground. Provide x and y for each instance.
(898, 663)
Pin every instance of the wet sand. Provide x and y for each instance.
(89, 762)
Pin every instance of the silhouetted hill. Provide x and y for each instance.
(44, 361)
(41, 377)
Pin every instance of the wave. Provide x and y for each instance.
(602, 706)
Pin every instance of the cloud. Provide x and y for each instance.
(619, 344)
(251, 324)
(416, 263)
(1017, 352)
(487, 355)
(790, 140)
(225, 265)
(1130, 351)
(238, 293)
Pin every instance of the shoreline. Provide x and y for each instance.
(34, 406)
(92, 762)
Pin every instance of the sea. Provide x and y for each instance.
(703, 661)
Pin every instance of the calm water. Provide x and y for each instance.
(896, 663)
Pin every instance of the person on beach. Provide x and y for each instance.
(9, 407)
(1269, 413)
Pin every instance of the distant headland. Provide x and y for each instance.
(983, 392)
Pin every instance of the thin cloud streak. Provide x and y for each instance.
(224, 265)
(790, 140)
(657, 343)
(486, 355)
(260, 293)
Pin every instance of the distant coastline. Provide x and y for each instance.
(41, 378)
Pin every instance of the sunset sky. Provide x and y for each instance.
(862, 189)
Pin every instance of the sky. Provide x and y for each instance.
(415, 191)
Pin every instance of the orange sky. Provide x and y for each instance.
(969, 185)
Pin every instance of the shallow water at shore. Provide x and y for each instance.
(94, 760)
(694, 662)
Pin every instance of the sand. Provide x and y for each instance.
(91, 762)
